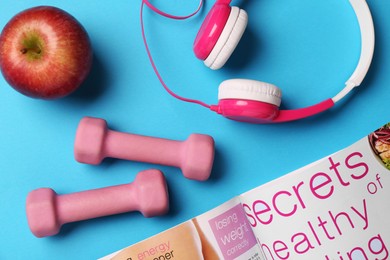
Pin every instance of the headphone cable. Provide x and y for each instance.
(158, 11)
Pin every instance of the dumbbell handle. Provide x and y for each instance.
(143, 148)
(95, 203)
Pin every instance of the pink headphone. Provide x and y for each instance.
(250, 100)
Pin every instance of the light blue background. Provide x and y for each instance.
(308, 48)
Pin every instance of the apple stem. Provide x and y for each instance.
(25, 50)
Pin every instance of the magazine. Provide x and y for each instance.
(334, 208)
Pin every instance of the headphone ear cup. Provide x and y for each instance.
(229, 39)
(248, 101)
(250, 90)
(211, 30)
(219, 34)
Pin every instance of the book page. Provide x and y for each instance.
(335, 208)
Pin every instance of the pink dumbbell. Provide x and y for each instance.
(94, 142)
(47, 211)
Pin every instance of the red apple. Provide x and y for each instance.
(45, 52)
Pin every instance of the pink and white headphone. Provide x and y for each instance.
(250, 100)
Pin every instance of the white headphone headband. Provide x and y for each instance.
(367, 36)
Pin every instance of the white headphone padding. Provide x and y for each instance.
(250, 90)
(229, 38)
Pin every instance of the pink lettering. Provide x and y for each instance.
(296, 191)
(377, 246)
(317, 182)
(333, 167)
(284, 214)
(280, 247)
(334, 219)
(356, 165)
(304, 242)
(261, 208)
